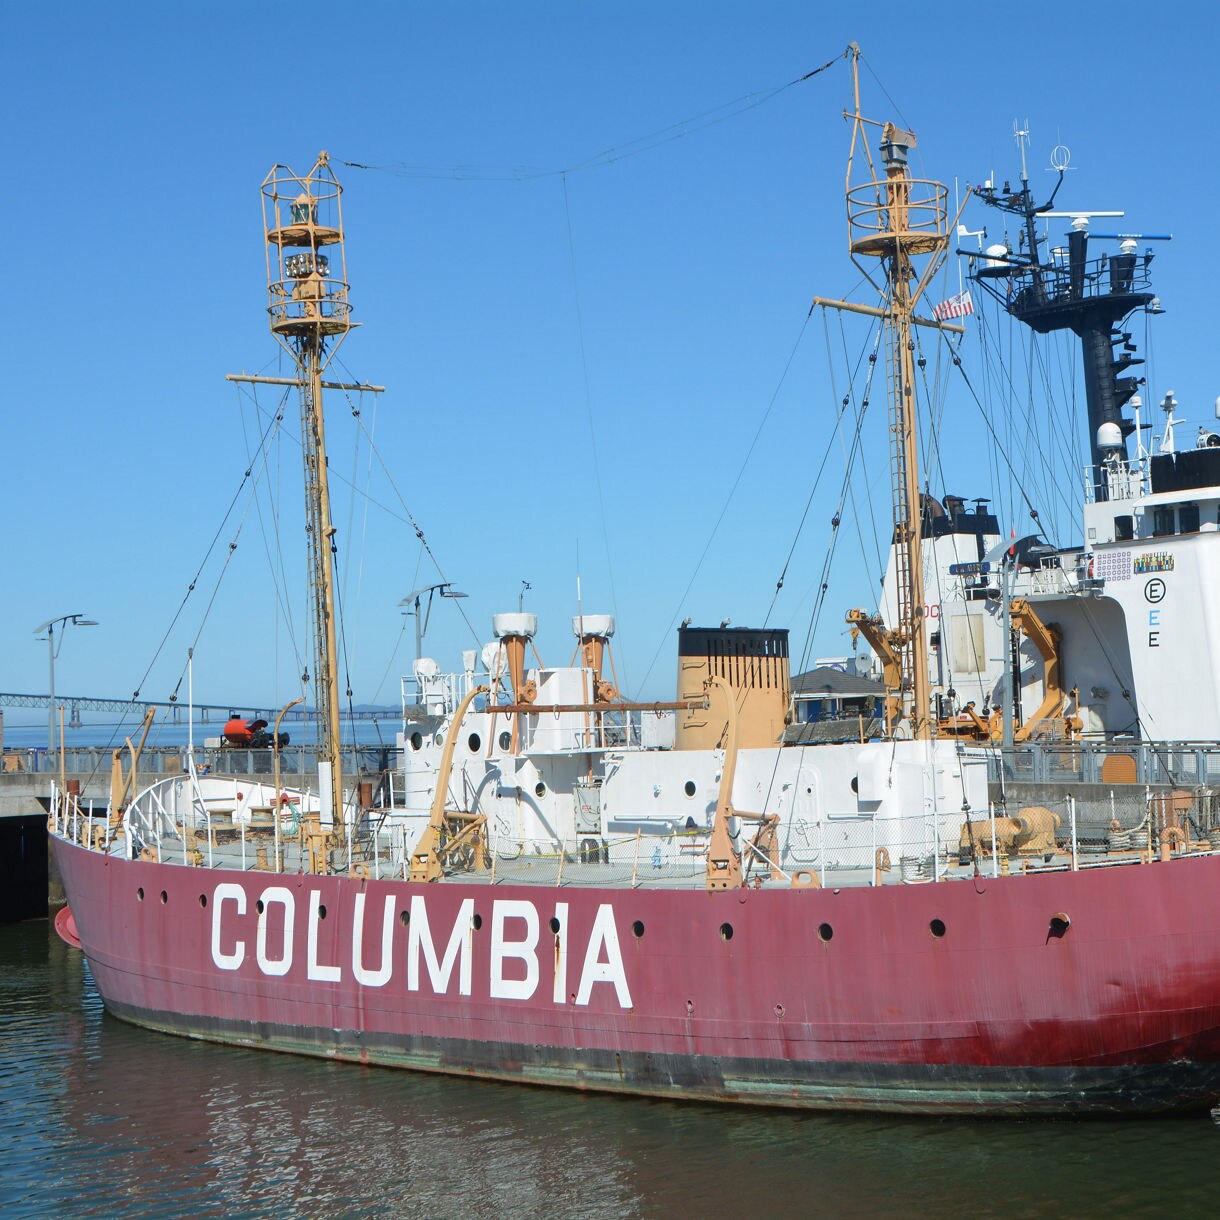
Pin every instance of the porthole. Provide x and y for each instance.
(937, 928)
(258, 906)
(440, 739)
(140, 894)
(637, 929)
(321, 910)
(203, 900)
(477, 921)
(689, 787)
(473, 742)
(417, 741)
(404, 918)
(555, 925)
(1059, 924)
(164, 897)
(540, 789)
(855, 784)
(825, 931)
(726, 931)
(505, 739)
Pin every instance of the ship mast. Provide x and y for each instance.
(310, 316)
(898, 221)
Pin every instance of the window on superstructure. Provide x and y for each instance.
(1162, 521)
(1188, 519)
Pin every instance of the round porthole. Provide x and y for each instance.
(140, 894)
(321, 910)
(203, 900)
(937, 928)
(477, 921)
(417, 741)
(825, 932)
(258, 906)
(726, 931)
(404, 918)
(164, 897)
(473, 742)
(689, 787)
(505, 740)
(555, 925)
(855, 784)
(440, 739)
(637, 929)
(540, 789)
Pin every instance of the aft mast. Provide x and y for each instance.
(899, 221)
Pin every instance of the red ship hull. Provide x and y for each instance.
(1093, 991)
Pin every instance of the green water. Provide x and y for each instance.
(100, 1119)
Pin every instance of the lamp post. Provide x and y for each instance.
(445, 589)
(76, 620)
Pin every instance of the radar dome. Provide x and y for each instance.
(1109, 436)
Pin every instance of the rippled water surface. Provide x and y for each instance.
(101, 1119)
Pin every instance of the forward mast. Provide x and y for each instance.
(310, 316)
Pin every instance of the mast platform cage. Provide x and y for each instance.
(303, 221)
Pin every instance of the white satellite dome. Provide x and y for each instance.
(1109, 436)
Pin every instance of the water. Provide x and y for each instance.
(101, 1119)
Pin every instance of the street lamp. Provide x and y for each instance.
(445, 589)
(75, 620)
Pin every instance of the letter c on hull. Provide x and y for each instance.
(227, 891)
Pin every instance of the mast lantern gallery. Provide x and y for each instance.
(898, 221)
(310, 316)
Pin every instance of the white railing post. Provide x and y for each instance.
(995, 851)
(874, 875)
(1072, 813)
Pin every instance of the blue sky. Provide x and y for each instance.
(573, 383)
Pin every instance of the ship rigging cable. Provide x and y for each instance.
(728, 499)
(246, 480)
(850, 458)
(854, 450)
(275, 555)
(608, 156)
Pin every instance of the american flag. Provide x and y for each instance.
(960, 306)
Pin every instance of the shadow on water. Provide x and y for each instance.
(101, 1119)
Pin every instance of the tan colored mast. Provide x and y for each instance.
(897, 219)
(310, 316)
